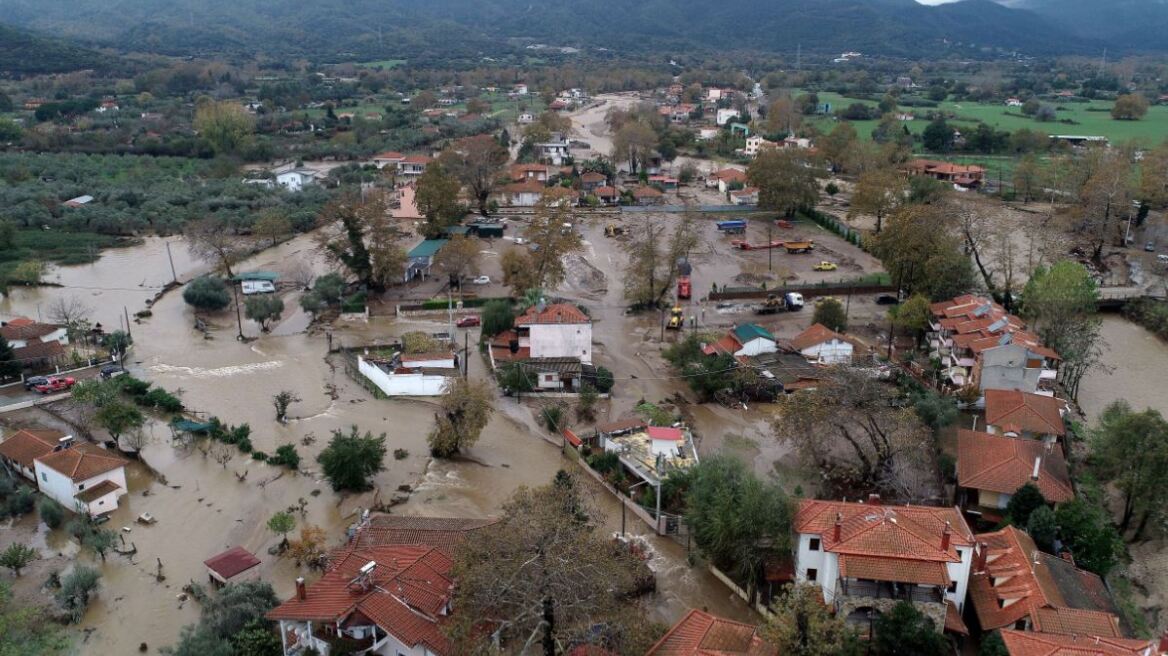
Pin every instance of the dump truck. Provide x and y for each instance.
(774, 303)
(799, 246)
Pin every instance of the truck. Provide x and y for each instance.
(676, 319)
(732, 226)
(789, 302)
(799, 246)
(684, 288)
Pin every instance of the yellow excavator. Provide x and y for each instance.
(676, 319)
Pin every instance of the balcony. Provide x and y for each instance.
(888, 590)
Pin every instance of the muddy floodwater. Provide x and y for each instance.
(203, 507)
(1136, 361)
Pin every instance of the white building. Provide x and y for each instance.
(559, 330)
(864, 554)
(84, 477)
(555, 150)
(296, 179)
(390, 159)
(423, 374)
(724, 116)
(22, 331)
(823, 345)
(20, 449)
(755, 144)
(707, 134)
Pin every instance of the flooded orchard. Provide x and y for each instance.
(203, 507)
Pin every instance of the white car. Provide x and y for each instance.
(482, 280)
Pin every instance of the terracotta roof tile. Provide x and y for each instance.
(26, 445)
(1033, 413)
(24, 328)
(906, 532)
(97, 491)
(83, 461)
(1027, 643)
(816, 334)
(665, 433)
(702, 634)
(235, 560)
(552, 314)
(899, 570)
(1003, 464)
(39, 351)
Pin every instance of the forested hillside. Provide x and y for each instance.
(22, 52)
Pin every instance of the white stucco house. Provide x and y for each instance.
(420, 374)
(22, 331)
(747, 339)
(20, 449)
(865, 556)
(724, 116)
(559, 330)
(296, 179)
(823, 345)
(83, 477)
(554, 150)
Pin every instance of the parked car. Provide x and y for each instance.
(482, 280)
(469, 321)
(826, 266)
(887, 299)
(1162, 257)
(56, 384)
(1150, 247)
(32, 381)
(112, 371)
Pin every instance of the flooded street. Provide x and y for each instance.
(1137, 360)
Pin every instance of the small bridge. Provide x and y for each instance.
(1114, 298)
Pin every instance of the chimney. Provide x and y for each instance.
(946, 534)
(301, 592)
(874, 499)
(1070, 558)
(1037, 464)
(839, 523)
(980, 559)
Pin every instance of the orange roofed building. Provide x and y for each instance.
(991, 468)
(1014, 585)
(1028, 643)
(702, 634)
(868, 555)
(1018, 414)
(969, 176)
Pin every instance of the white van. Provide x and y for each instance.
(250, 287)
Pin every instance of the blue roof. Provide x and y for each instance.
(427, 248)
(749, 331)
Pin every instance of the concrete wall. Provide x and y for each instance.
(561, 340)
(402, 384)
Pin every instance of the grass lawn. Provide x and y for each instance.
(55, 246)
(1090, 118)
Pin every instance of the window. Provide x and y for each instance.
(80, 486)
(814, 544)
(44, 477)
(952, 587)
(812, 574)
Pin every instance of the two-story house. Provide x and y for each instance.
(413, 165)
(866, 557)
(1015, 361)
(559, 330)
(83, 477)
(555, 150)
(701, 634)
(991, 468)
(956, 324)
(388, 159)
(1019, 414)
(1015, 586)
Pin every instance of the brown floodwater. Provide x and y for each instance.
(1136, 361)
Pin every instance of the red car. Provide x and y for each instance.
(468, 321)
(55, 384)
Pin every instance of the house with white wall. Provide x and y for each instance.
(724, 116)
(83, 477)
(22, 331)
(21, 448)
(1019, 414)
(823, 345)
(991, 468)
(868, 556)
(415, 374)
(559, 330)
(747, 339)
(388, 159)
(296, 179)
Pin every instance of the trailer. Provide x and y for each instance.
(799, 246)
(732, 226)
(747, 246)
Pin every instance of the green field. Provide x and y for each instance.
(382, 63)
(1089, 118)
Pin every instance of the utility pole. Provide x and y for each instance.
(126, 313)
(238, 316)
(173, 275)
(466, 354)
(770, 251)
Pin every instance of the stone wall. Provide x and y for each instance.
(849, 604)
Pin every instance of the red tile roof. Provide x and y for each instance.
(24, 328)
(97, 491)
(27, 444)
(607, 192)
(1019, 582)
(39, 351)
(389, 155)
(1034, 413)
(816, 334)
(702, 634)
(646, 192)
(405, 596)
(665, 433)
(444, 533)
(897, 570)
(1003, 464)
(417, 159)
(82, 462)
(953, 621)
(1027, 643)
(727, 344)
(902, 532)
(235, 560)
(528, 186)
(730, 175)
(552, 314)
(593, 176)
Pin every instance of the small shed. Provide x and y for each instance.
(488, 229)
(235, 564)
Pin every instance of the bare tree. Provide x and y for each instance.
(222, 454)
(211, 241)
(70, 312)
(302, 273)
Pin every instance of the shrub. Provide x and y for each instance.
(604, 380)
(286, 455)
(207, 293)
(261, 456)
(76, 589)
(400, 454)
(552, 417)
(21, 502)
(51, 512)
(163, 400)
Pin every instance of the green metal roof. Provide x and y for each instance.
(749, 331)
(427, 248)
(270, 276)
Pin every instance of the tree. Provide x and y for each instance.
(1129, 107)
(77, 587)
(655, 257)
(72, 313)
(1086, 529)
(850, 428)
(938, 136)
(912, 316)
(783, 116)
(282, 523)
(922, 257)
(466, 407)
(281, 401)
(310, 548)
(27, 629)
(458, 259)
(100, 540)
(367, 243)
(1105, 195)
(785, 181)
(350, 460)
(518, 270)
(207, 293)
(119, 418)
(17, 556)
(226, 126)
(906, 631)
(738, 521)
(586, 409)
(497, 316)
(213, 242)
(51, 512)
(417, 341)
(257, 639)
(1043, 527)
(604, 380)
(545, 574)
(1122, 433)
(10, 367)
(1027, 178)
(272, 226)
(437, 199)
(229, 623)
(1023, 503)
(477, 163)
(878, 192)
(27, 272)
(803, 625)
(264, 309)
(1059, 303)
(553, 241)
(634, 142)
(830, 313)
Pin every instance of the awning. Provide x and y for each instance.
(896, 570)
